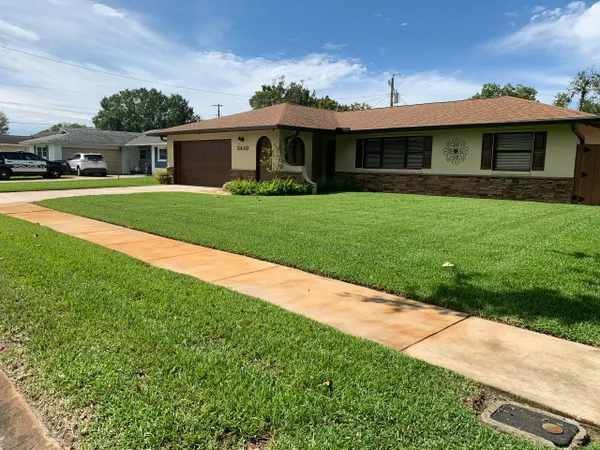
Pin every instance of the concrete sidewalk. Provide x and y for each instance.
(559, 375)
(36, 196)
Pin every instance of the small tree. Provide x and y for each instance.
(270, 158)
(562, 99)
(585, 89)
(281, 92)
(493, 90)
(3, 123)
(62, 126)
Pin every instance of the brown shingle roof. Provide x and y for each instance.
(502, 110)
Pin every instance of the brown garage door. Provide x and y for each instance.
(203, 163)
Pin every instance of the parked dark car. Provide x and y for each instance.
(29, 164)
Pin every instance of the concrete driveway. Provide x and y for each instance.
(36, 196)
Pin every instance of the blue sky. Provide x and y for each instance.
(220, 52)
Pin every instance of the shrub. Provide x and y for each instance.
(164, 177)
(277, 186)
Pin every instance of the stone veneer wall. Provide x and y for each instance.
(558, 190)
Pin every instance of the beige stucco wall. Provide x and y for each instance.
(243, 153)
(560, 151)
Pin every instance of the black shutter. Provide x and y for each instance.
(427, 152)
(539, 151)
(360, 155)
(487, 151)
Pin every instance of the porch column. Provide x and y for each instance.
(153, 158)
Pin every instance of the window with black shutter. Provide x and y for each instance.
(513, 152)
(539, 150)
(394, 153)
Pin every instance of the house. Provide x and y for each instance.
(124, 152)
(11, 143)
(146, 153)
(497, 148)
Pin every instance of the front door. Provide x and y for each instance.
(323, 167)
(587, 175)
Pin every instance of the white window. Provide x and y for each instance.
(41, 151)
(160, 157)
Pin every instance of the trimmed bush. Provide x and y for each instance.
(277, 186)
(163, 177)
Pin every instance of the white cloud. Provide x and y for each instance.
(38, 90)
(9, 30)
(105, 10)
(332, 46)
(573, 30)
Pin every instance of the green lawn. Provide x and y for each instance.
(8, 186)
(531, 264)
(161, 360)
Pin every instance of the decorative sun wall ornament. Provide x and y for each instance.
(456, 150)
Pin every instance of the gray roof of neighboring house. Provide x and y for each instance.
(144, 139)
(86, 137)
(12, 139)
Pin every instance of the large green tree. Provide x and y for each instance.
(61, 126)
(493, 90)
(282, 92)
(141, 110)
(3, 123)
(584, 90)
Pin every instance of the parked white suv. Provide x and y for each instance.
(88, 164)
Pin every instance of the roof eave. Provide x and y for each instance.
(478, 125)
(163, 133)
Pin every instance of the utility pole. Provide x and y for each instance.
(393, 92)
(218, 106)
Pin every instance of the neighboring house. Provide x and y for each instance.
(500, 148)
(11, 143)
(146, 154)
(122, 157)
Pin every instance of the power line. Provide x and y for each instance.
(29, 123)
(118, 75)
(55, 107)
(218, 106)
(47, 88)
(394, 94)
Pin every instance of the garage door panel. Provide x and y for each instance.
(204, 163)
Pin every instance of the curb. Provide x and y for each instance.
(20, 428)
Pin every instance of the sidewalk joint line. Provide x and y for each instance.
(434, 334)
(273, 266)
(160, 258)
